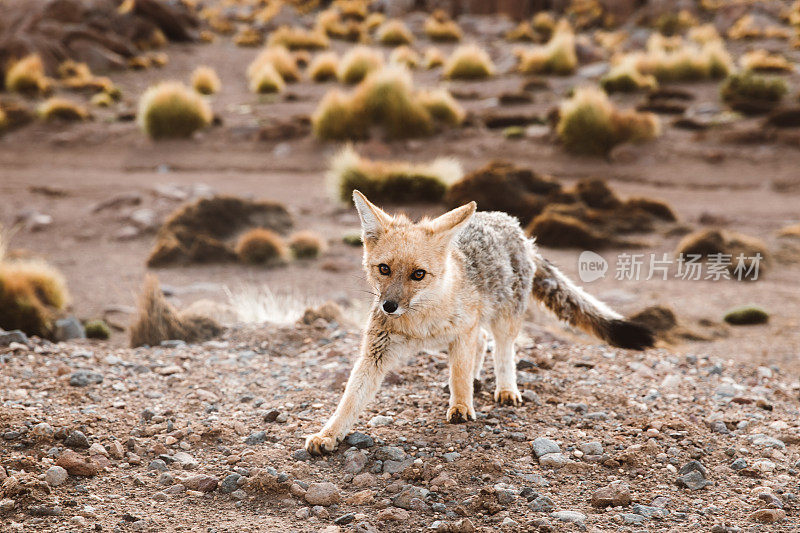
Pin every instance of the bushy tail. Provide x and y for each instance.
(582, 310)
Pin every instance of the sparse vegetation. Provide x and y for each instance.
(324, 67)
(260, 246)
(390, 181)
(306, 245)
(266, 79)
(624, 77)
(762, 61)
(544, 25)
(394, 32)
(279, 57)
(709, 242)
(433, 58)
(295, 38)
(404, 55)
(205, 80)
(468, 62)
(558, 56)
(357, 63)
(589, 123)
(170, 109)
(248, 37)
(746, 315)
(522, 32)
(673, 59)
(374, 20)
(752, 93)
(26, 76)
(157, 320)
(62, 109)
(440, 27)
(442, 106)
(97, 329)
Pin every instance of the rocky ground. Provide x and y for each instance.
(175, 436)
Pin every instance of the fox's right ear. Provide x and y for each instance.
(374, 220)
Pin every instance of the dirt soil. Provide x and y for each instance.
(179, 411)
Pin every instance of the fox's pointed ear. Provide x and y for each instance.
(453, 220)
(374, 220)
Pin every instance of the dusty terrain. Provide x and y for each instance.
(733, 399)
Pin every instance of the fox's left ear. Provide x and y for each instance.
(374, 220)
(454, 220)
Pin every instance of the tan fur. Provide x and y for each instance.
(480, 273)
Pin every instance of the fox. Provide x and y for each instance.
(449, 282)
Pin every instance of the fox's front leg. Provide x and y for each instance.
(363, 384)
(462, 369)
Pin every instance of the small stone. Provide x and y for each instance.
(325, 493)
(592, 448)
(463, 525)
(239, 495)
(380, 420)
(542, 504)
(451, 456)
(359, 440)
(395, 467)
(201, 483)
(301, 455)
(320, 512)
(768, 516)
(361, 497)
(393, 513)
(17, 336)
(166, 479)
(553, 460)
(569, 516)
(616, 494)
(158, 465)
(739, 464)
(390, 453)
(692, 475)
(82, 378)
(543, 446)
(98, 449)
(76, 439)
(632, 519)
(355, 462)
(56, 476)
(42, 431)
(76, 465)
(345, 519)
(531, 397)
(405, 498)
(509, 522)
(258, 437)
(7, 505)
(230, 483)
(69, 328)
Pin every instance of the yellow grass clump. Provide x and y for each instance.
(248, 37)
(26, 76)
(673, 59)
(260, 246)
(394, 32)
(102, 100)
(522, 32)
(705, 33)
(170, 109)
(762, 61)
(335, 118)
(284, 62)
(306, 245)
(745, 28)
(357, 63)
(590, 124)
(390, 181)
(672, 23)
(323, 67)
(353, 9)
(440, 27)
(468, 62)
(32, 293)
(295, 38)
(752, 93)
(544, 24)
(374, 20)
(433, 58)
(266, 79)
(57, 108)
(205, 80)
(404, 55)
(442, 106)
(331, 23)
(558, 56)
(623, 76)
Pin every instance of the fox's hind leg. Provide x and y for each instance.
(480, 355)
(505, 330)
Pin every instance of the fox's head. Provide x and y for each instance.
(406, 262)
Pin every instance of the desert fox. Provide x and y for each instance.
(439, 283)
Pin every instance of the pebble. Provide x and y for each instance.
(56, 476)
(359, 440)
(76, 464)
(451, 456)
(355, 461)
(692, 475)
(542, 446)
(158, 465)
(592, 448)
(542, 504)
(15, 335)
(83, 378)
(739, 464)
(768, 516)
(405, 498)
(380, 420)
(230, 483)
(553, 460)
(258, 437)
(569, 516)
(393, 513)
(325, 493)
(616, 494)
(76, 439)
(42, 431)
(98, 449)
(201, 483)
(390, 453)
(7, 505)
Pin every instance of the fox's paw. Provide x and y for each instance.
(508, 397)
(319, 444)
(460, 413)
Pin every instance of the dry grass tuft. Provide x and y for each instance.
(97, 329)
(433, 58)
(762, 61)
(394, 32)
(405, 56)
(624, 77)
(442, 106)
(157, 320)
(590, 124)
(374, 21)
(248, 37)
(673, 59)
(31, 295)
(283, 61)
(260, 246)
(334, 118)
(266, 79)
(523, 32)
(172, 110)
(57, 108)
(468, 62)
(295, 38)
(331, 22)
(710, 242)
(26, 76)
(390, 181)
(752, 93)
(440, 27)
(205, 80)
(306, 245)
(703, 34)
(544, 24)
(558, 56)
(357, 63)
(324, 67)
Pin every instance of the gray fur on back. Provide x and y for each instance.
(498, 259)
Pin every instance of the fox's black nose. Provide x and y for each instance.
(389, 306)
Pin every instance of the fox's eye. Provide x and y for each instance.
(418, 274)
(384, 269)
